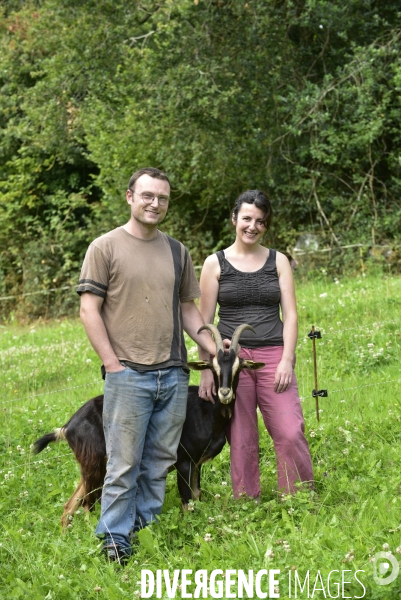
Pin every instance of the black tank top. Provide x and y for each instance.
(252, 298)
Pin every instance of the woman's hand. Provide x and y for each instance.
(206, 387)
(283, 375)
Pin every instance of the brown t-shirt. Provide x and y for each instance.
(143, 283)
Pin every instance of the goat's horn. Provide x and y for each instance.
(237, 335)
(216, 334)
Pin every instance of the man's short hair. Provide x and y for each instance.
(151, 171)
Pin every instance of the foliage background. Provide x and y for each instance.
(299, 98)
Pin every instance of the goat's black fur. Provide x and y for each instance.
(203, 435)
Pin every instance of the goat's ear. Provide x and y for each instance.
(250, 364)
(199, 365)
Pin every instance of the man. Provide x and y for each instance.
(137, 290)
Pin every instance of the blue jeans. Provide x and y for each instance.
(143, 415)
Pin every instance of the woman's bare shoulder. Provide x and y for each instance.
(282, 262)
(211, 259)
(212, 262)
(211, 266)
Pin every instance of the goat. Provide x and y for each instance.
(204, 432)
(202, 438)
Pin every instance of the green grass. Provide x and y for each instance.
(49, 370)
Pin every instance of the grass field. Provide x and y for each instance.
(49, 370)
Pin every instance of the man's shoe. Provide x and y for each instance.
(115, 554)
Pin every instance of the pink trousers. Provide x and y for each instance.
(282, 415)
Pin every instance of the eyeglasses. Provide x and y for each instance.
(148, 198)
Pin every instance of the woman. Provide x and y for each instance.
(250, 283)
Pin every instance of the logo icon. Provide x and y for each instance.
(384, 563)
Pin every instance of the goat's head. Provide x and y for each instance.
(226, 364)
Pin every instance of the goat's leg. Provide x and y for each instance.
(195, 482)
(196, 479)
(184, 479)
(72, 505)
(94, 479)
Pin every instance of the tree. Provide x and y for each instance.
(299, 98)
(53, 57)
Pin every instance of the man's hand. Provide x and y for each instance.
(115, 368)
(206, 387)
(226, 345)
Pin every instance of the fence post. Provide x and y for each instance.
(313, 335)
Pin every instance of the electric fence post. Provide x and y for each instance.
(316, 335)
